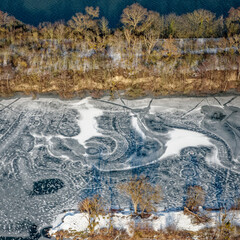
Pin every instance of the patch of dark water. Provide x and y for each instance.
(46, 186)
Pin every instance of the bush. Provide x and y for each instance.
(195, 198)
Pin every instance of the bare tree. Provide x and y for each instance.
(133, 16)
(233, 21)
(142, 28)
(201, 23)
(142, 193)
(4, 18)
(172, 25)
(195, 198)
(151, 30)
(104, 26)
(83, 22)
(93, 207)
(60, 31)
(47, 30)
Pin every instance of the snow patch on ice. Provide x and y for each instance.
(180, 138)
(213, 159)
(136, 126)
(87, 121)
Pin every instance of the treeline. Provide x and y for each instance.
(198, 24)
(85, 54)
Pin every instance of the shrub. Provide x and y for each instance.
(195, 198)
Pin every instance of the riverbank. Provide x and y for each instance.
(215, 83)
(76, 224)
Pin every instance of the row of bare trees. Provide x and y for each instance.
(145, 196)
(85, 53)
(135, 20)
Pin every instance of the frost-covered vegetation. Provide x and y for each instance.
(188, 54)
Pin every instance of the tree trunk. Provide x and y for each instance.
(135, 205)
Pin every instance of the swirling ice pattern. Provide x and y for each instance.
(44, 168)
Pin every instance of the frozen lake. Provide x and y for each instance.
(54, 153)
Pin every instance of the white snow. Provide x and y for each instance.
(58, 221)
(77, 221)
(180, 138)
(176, 220)
(87, 121)
(213, 159)
(136, 126)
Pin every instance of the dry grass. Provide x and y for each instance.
(169, 234)
(144, 232)
(139, 233)
(68, 84)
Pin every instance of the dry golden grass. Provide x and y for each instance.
(69, 84)
(139, 233)
(147, 233)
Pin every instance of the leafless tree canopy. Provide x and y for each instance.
(142, 193)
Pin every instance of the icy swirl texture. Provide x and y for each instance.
(54, 153)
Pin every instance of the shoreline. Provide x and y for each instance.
(159, 221)
(54, 95)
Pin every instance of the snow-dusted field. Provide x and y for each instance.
(54, 153)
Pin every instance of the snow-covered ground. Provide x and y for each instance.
(123, 221)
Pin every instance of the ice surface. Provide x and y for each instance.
(55, 153)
